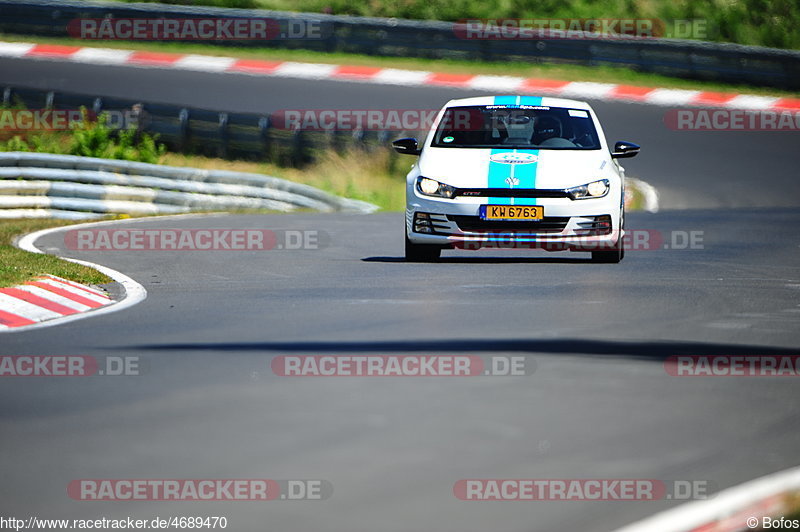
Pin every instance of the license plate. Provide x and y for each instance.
(511, 212)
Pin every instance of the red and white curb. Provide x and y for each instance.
(50, 300)
(392, 76)
(741, 507)
(46, 298)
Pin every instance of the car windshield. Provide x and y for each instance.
(516, 126)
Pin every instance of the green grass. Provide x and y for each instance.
(376, 176)
(18, 266)
(602, 74)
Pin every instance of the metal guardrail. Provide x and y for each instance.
(83, 187)
(207, 132)
(65, 186)
(439, 40)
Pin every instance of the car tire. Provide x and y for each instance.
(611, 256)
(615, 254)
(421, 252)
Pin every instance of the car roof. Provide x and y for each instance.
(519, 100)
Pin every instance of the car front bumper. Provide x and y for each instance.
(575, 225)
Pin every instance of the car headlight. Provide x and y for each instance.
(595, 189)
(431, 187)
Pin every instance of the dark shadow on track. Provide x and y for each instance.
(490, 260)
(656, 351)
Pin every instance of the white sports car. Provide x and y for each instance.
(515, 171)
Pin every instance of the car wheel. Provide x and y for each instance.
(610, 256)
(421, 252)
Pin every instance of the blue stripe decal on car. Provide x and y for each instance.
(530, 100)
(526, 174)
(501, 173)
(507, 100)
(529, 170)
(498, 174)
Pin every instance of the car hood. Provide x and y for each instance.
(500, 168)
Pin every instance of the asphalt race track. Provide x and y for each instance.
(600, 403)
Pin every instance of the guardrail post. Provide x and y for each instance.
(359, 138)
(330, 138)
(484, 51)
(339, 141)
(392, 164)
(263, 133)
(97, 108)
(7, 97)
(332, 41)
(298, 148)
(49, 99)
(138, 117)
(183, 118)
(223, 135)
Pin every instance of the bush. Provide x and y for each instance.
(92, 138)
(16, 143)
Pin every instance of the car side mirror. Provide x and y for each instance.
(624, 149)
(407, 146)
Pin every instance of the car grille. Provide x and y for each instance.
(474, 224)
(510, 193)
(599, 225)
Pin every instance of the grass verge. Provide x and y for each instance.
(600, 74)
(18, 266)
(376, 176)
